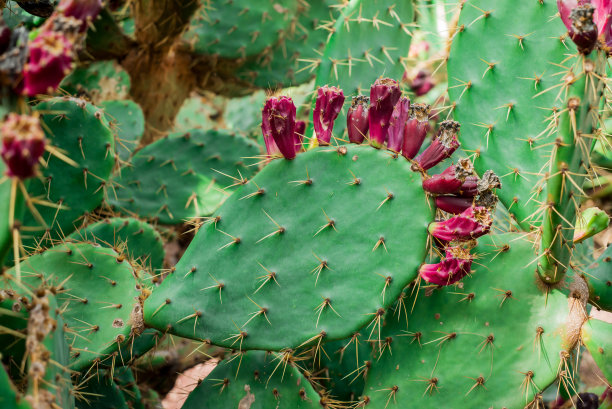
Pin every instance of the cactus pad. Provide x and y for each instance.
(128, 122)
(597, 336)
(309, 248)
(99, 81)
(599, 277)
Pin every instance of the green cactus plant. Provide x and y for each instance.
(599, 277)
(128, 122)
(596, 335)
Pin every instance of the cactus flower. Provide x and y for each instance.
(357, 119)
(454, 204)
(442, 147)
(416, 130)
(397, 124)
(456, 265)
(278, 125)
(83, 10)
(452, 179)
(23, 143)
(327, 107)
(50, 60)
(384, 94)
(421, 84)
(470, 224)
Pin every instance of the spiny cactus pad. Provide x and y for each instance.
(99, 81)
(310, 248)
(128, 122)
(370, 37)
(10, 397)
(597, 336)
(100, 293)
(181, 176)
(79, 131)
(599, 277)
(458, 349)
(103, 392)
(255, 380)
(139, 240)
(501, 63)
(234, 29)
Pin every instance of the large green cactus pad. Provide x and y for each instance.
(599, 277)
(255, 380)
(128, 122)
(501, 64)
(460, 348)
(98, 81)
(79, 131)
(99, 294)
(371, 38)
(181, 176)
(313, 247)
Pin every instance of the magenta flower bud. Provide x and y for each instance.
(416, 130)
(83, 10)
(583, 31)
(5, 36)
(454, 204)
(300, 128)
(384, 94)
(397, 125)
(327, 107)
(469, 187)
(50, 60)
(470, 224)
(357, 119)
(278, 121)
(442, 147)
(451, 180)
(456, 265)
(23, 143)
(421, 84)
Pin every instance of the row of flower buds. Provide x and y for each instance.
(587, 21)
(49, 56)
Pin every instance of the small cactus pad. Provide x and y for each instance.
(181, 176)
(599, 277)
(99, 81)
(128, 122)
(457, 348)
(79, 131)
(233, 29)
(100, 294)
(597, 336)
(503, 58)
(254, 380)
(9, 396)
(309, 248)
(370, 37)
(139, 240)
(102, 392)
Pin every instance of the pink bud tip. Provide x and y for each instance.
(397, 125)
(278, 126)
(50, 58)
(357, 119)
(416, 130)
(23, 143)
(456, 265)
(442, 147)
(470, 224)
(384, 94)
(327, 107)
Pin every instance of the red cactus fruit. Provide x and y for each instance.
(583, 30)
(456, 265)
(83, 10)
(327, 107)
(384, 94)
(442, 147)
(416, 130)
(23, 143)
(470, 224)
(357, 119)
(278, 123)
(49, 61)
(452, 179)
(454, 204)
(422, 83)
(397, 125)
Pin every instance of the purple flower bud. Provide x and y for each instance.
(278, 121)
(357, 119)
(470, 224)
(5, 36)
(384, 94)
(451, 180)
(23, 143)
(454, 204)
(50, 60)
(421, 84)
(397, 125)
(442, 147)
(327, 107)
(469, 187)
(416, 130)
(583, 31)
(456, 265)
(83, 10)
